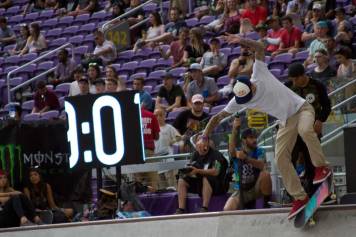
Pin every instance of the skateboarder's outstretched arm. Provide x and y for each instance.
(258, 47)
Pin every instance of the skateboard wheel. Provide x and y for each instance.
(312, 222)
(333, 196)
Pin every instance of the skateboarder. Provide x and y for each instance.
(266, 93)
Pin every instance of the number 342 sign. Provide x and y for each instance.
(104, 129)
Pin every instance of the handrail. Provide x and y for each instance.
(32, 79)
(34, 61)
(139, 23)
(126, 14)
(343, 102)
(335, 131)
(342, 87)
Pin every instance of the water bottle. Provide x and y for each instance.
(12, 110)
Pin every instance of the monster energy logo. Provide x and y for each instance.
(10, 155)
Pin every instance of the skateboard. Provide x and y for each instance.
(279, 204)
(306, 216)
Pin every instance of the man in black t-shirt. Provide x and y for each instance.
(172, 93)
(191, 121)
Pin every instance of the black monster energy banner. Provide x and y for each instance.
(43, 145)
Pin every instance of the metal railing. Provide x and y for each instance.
(29, 63)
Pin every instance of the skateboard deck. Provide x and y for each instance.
(323, 191)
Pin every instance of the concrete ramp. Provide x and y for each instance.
(333, 221)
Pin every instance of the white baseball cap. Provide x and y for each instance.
(197, 98)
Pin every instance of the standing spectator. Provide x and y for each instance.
(206, 177)
(194, 51)
(318, 43)
(5, 3)
(151, 130)
(204, 86)
(177, 48)
(168, 135)
(173, 94)
(64, 68)
(44, 99)
(110, 85)
(322, 72)
(110, 73)
(290, 37)
(16, 209)
(155, 30)
(274, 35)
(7, 35)
(34, 6)
(213, 61)
(74, 86)
(83, 84)
(84, 7)
(191, 121)
(145, 97)
(99, 86)
(36, 43)
(21, 40)
(257, 14)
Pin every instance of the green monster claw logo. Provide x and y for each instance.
(13, 152)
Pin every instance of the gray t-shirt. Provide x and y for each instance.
(5, 33)
(209, 88)
(209, 59)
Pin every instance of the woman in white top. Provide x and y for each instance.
(36, 42)
(156, 29)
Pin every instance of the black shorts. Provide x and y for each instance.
(196, 185)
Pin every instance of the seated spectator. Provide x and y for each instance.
(206, 176)
(317, 15)
(274, 35)
(74, 86)
(83, 84)
(172, 93)
(343, 34)
(322, 72)
(172, 29)
(36, 43)
(212, 8)
(155, 30)
(93, 74)
(346, 69)
(299, 6)
(34, 6)
(254, 182)
(151, 130)
(191, 121)
(16, 209)
(168, 135)
(64, 68)
(290, 37)
(138, 15)
(104, 52)
(279, 9)
(99, 86)
(44, 99)
(145, 97)
(230, 21)
(110, 85)
(110, 73)
(117, 9)
(21, 40)
(262, 29)
(257, 14)
(327, 6)
(41, 195)
(240, 66)
(194, 51)
(181, 6)
(318, 43)
(7, 35)
(204, 86)
(5, 4)
(84, 7)
(213, 61)
(177, 48)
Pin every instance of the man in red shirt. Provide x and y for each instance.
(150, 130)
(290, 37)
(274, 34)
(44, 99)
(256, 14)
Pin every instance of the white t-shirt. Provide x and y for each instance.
(109, 56)
(74, 89)
(167, 136)
(153, 32)
(271, 95)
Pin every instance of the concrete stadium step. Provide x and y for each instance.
(338, 220)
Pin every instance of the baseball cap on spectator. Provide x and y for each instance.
(197, 98)
(99, 81)
(322, 24)
(317, 6)
(195, 66)
(249, 132)
(296, 70)
(242, 90)
(167, 75)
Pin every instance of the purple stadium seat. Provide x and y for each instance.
(44, 66)
(145, 65)
(50, 114)
(76, 40)
(151, 7)
(226, 51)
(15, 81)
(15, 19)
(79, 52)
(53, 33)
(137, 75)
(127, 68)
(57, 42)
(27, 107)
(252, 35)
(26, 72)
(267, 59)
(30, 17)
(177, 72)
(152, 82)
(148, 88)
(70, 31)
(81, 19)
(216, 109)
(12, 61)
(2, 11)
(46, 14)
(280, 61)
(156, 74)
(128, 54)
(341, 3)
(173, 115)
(87, 28)
(192, 22)
(276, 72)
(237, 50)
(28, 57)
(61, 102)
(11, 11)
(62, 89)
(222, 81)
(116, 66)
(163, 63)
(49, 24)
(65, 21)
(301, 56)
(97, 16)
(32, 117)
(206, 20)
(154, 55)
